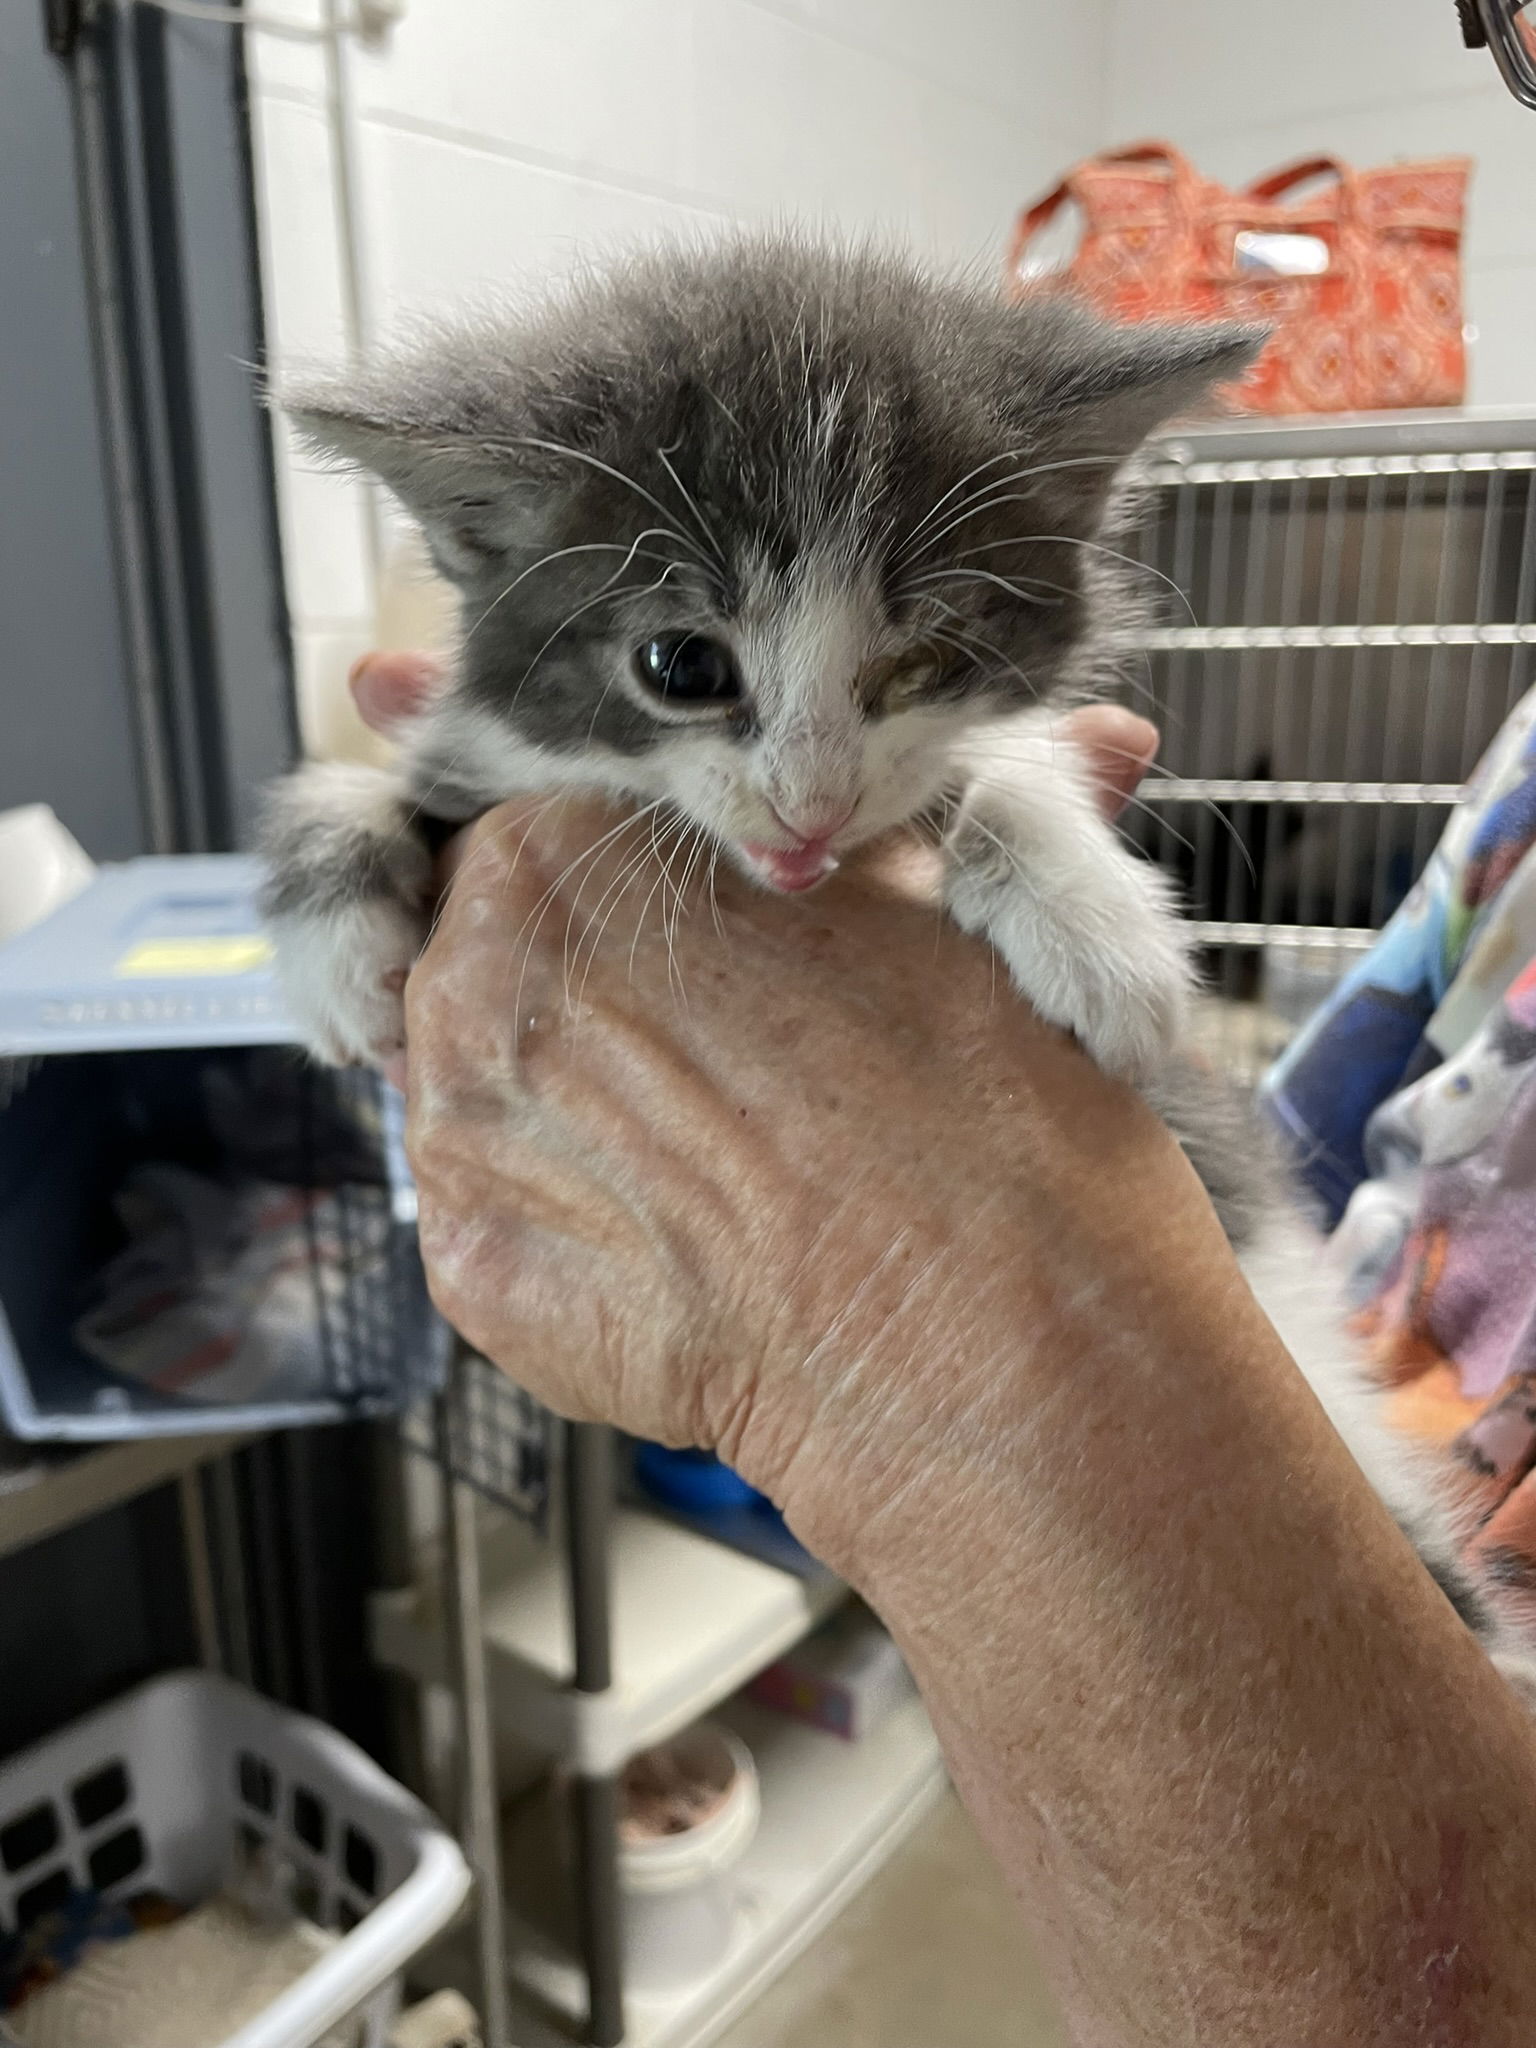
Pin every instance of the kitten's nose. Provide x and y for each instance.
(815, 824)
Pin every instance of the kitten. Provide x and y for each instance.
(804, 545)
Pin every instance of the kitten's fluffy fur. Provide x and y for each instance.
(883, 500)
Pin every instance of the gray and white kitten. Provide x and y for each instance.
(803, 545)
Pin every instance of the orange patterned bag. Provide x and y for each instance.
(1360, 275)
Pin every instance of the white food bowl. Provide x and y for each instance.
(679, 1890)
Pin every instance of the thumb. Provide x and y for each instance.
(389, 688)
(1119, 748)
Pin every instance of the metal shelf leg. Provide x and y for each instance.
(594, 1800)
(480, 1807)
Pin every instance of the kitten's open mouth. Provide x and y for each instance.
(791, 869)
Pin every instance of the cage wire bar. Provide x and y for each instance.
(1356, 617)
(491, 1434)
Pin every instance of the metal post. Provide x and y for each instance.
(594, 1798)
(232, 1600)
(194, 1542)
(406, 1753)
(480, 1811)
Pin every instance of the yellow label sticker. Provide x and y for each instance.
(165, 959)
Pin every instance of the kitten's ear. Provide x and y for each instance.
(468, 494)
(1091, 390)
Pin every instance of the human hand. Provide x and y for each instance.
(774, 1178)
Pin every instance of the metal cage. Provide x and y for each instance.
(1356, 617)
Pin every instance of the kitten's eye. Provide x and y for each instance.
(688, 668)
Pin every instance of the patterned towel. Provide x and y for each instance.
(1410, 1100)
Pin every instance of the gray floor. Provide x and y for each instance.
(929, 1956)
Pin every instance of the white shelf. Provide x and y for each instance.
(832, 1813)
(55, 1489)
(692, 1621)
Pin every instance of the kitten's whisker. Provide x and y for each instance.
(663, 455)
(972, 823)
(646, 905)
(1098, 547)
(670, 897)
(1158, 816)
(1131, 802)
(1023, 587)
(969, 640)
(669, 883)
(1033, 582)
(1156, 811)
(528, 932)
(581, 866)
(568, 951)
(1001, 498)
(573, 954)
(952, 639)
(1201, 803)
(534, 817)
(910, 536)
(974, 510)
(604, 595)
(967, 506)
(679, 908)
(1004, 540)
(706, 846)
(594, 547)
(715, 399)
(614, 884)
(618, 476)
(617, 891)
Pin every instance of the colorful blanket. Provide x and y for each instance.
(1410, 1102)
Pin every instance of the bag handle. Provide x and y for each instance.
(1278, 183)
(1045, 210)
(1152, 152)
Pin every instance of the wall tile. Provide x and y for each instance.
(600, 85)
(288, 64)
(324, 529)
(1502, 306)
(299, 229)
(1029, 58)
(454, 225)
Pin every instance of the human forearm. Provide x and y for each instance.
(1251, 1780)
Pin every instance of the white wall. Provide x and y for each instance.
(495, 140)
(1244, 87)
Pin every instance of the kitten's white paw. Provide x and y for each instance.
(343, 977)
(1094, 946)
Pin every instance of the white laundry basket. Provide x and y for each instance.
(174, 1786)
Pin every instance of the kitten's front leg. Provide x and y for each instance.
(1087, 930)
(346, 899)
